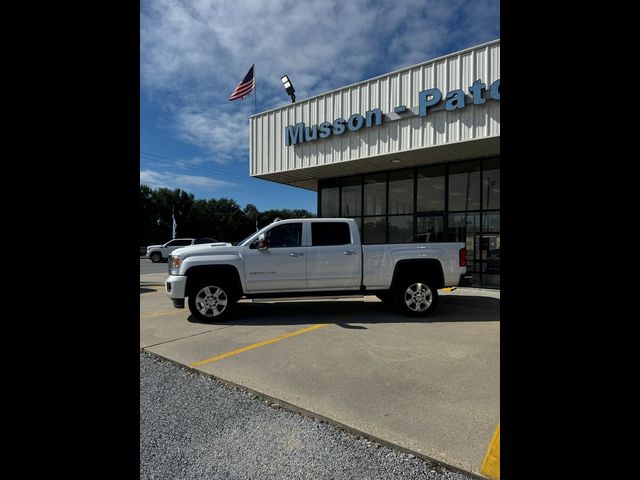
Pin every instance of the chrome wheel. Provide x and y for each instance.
(211, 301)
(418, 297)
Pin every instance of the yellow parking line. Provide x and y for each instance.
(257, 345)
(491, 463)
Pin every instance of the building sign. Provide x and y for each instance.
(427, 100)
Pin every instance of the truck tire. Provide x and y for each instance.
(155, 257)
(416, 297)
(211, 301)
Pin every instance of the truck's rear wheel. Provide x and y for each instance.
(155, 257)
(416, 298)
(211, 302)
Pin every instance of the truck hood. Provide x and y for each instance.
(206, 249)
(153, 246)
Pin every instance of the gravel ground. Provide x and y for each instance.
(194, 427)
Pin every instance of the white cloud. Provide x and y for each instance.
(173, 180)
(193, 53)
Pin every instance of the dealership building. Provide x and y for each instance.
(412, 155)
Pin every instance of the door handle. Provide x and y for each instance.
(296, 254)
(350, 252)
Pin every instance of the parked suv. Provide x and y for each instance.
(160, 253)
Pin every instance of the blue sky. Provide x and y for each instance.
(193, 54)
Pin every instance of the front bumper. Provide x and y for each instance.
(175, 288)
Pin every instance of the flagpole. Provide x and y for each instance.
(255, 90)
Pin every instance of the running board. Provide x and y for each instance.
(314, 297)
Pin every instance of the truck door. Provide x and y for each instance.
(334, 258)
(280, 267)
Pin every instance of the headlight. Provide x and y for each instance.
(174, 264)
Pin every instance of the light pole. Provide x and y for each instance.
(288, 86)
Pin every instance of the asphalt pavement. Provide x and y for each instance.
(194, 427)
(147, 266)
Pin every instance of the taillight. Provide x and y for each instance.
(463, 256)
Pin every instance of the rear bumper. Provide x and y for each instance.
(465, 280)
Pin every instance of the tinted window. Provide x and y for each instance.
(329, 198)
(180, 243)
(400, 192)
(375, 194)
(288, 235)
(431, 189)
(351, 196)
(491, 184)
(330, 233)
(205, 240)
(374, 230)
(464, 186)
(401, 229)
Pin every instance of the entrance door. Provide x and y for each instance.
(487, 258)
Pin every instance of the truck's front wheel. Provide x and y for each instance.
(416, 298)
(156, 257)
(209, 302)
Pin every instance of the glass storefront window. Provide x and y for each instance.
(463, 227)
(401, 229)
(375, 194)
(330, 199)
(491, 222)
(439, 203)
(375, 229)
(491, 184)
(351, 196)
(401, 192)
(464, 186)
(431, 189)
(430, 229)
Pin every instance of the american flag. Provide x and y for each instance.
(245, 87)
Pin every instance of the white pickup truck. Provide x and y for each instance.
(319, 257)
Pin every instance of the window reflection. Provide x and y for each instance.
(464, 186)
(431, 189)
(401, 192)
(401, 229)
(450, 201)
(491, 189)
(351, 196)
(375, 194)
(329, 201)
(375, 229)
(430, 229)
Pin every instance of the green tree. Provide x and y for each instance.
(222, 218)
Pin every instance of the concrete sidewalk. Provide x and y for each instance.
(428, 386)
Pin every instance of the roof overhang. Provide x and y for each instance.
(307, 178)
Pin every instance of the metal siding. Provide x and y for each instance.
(269, 154)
